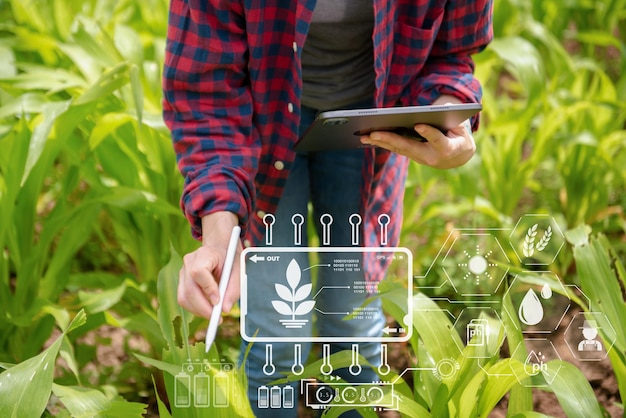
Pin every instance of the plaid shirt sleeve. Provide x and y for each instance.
(208, 108)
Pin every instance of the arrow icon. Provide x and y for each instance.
(256, 258)
(388, 330)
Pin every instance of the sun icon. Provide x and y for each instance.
(477, 265)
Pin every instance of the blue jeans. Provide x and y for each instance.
(330, 181)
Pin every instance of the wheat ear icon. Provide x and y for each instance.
(529, 240)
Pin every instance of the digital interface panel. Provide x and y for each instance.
(288, 285)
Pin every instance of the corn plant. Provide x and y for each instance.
(183, 366)
(26, 388)
(88, 182)
(602, 277)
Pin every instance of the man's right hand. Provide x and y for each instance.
(199, 277)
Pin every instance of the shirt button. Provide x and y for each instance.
(290, 107)
(247, 243)
(279, 165)
(260, 214)
(295, 46)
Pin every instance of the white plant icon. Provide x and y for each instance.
(293, 301)
(529, 240)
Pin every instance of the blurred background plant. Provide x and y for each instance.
(89, 193)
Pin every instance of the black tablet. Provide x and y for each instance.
(342, 129)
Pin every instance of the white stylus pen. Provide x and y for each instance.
(224, 278)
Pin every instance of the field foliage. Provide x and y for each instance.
(91, 230)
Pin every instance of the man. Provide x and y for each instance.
(242, 80)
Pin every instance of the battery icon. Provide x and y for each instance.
(220, 390)
(182, 382)
(275, 397)
(201, 390)
(264, 397)
(287, 397)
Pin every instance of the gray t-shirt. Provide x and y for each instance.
(338, 55)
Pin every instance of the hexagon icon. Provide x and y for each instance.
(475, 264)
(481, 329)
(590, 336)
(538, 370)
(536, 239)
(539, 300)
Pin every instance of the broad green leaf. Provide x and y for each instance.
(435, 329)
(163, 411)
(51, 80)
(67, 353)
(501, 378)
(95, 302)
(25, 388)
(138, 201)
(61, 315)
(7, 62)
(172, 369)
(24, 104)
(523, 60)
(107, 126)
(181, 365)
(108, 82)
(50, 113)
(82, 402)
(96, 43)
(600, 283)
(63, 18)
(169, 309)
(124, 409)
(128, 43)
(572, 390)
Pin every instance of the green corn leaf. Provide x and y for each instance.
(96, 43)
(81, 402)
(572, 390)
(107, 126)
(51, 111)
(501, 378)
(108, 82)
(523, 60)
(100, 301)
(169, 309)
(84, 402)
(138, 201)
(25, 387)
(128, 43)
(163, 411)
(36, 77)
(600, 283)
(137, 90)
(7, 62)
(435, 329)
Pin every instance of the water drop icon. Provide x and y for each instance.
(546, 291)
(532, 358)
(530, 310)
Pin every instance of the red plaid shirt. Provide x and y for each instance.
(232, 84)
